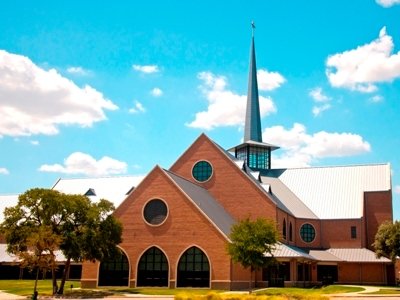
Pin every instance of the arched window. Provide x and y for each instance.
(290, 232)
(284, 229)
(193, 269)
(153, 268)
(114, 271)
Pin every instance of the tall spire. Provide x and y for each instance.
(252, 128)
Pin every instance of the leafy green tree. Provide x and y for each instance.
(252, 243)
(82, 230)
(387, 240)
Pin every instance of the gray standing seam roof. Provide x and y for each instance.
(206, 203)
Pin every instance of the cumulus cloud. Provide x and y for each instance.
(225, 108)
(4, 171)
(156, 92)
(37, 101)
(268, 81)
(148, 69)
(82, 163)
(321, 101)
(78, 71)
(387, 3)
(138, 108)
(301, 149)
(376, 99)
(318, 110)
(362, 68)
(318, 95)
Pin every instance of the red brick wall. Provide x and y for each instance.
(228, 184)
(365, 273)
(337, 233)
(316, 243)
(377, 209)
(184, 227)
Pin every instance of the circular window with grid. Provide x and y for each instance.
(307, 233)
(202, 171)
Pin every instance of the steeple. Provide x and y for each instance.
(252, 128)
(255, 154)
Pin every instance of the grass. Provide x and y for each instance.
(25, 288)
(385, 291)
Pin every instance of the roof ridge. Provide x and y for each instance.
(334, 166)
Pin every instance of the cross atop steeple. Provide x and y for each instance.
(252, 128)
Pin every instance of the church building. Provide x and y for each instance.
(177, 221)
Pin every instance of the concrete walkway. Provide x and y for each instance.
(365, 294)
(8, 296)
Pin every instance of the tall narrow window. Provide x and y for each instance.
(353, 232)
(284, 229)
(290, 232)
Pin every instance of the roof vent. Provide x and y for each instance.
(90, 192)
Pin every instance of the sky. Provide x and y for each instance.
(109, 88)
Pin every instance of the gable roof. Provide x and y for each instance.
(114, 189)
(203, 200)
(327, 192)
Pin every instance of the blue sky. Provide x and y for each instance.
(98, 88)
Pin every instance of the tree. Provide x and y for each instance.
(252, 243)
(82, 230)
(387, 240)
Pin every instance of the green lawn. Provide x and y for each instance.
(25, 288)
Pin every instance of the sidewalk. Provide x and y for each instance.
(4, 296)
(363, 294)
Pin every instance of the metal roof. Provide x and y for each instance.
(287, 251)
(7, 201)
(287, 199)
(324, 256)
(252, 127)
(357, 255)
(114, 189)
(206, 203)
(328, 192)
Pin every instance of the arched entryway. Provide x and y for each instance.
(114, 271)
(153, 268)
(193, 269)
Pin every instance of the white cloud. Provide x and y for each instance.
(321, 99)
(138, 108)
(318, 95)
(78, 71)
(376, 99)
(4, 171)
(397, 189)
(387, 3)
(148, 69)
(361, 68)
(35, 101)
(268, 81)
(35, 143)
(225, 108)
(301, 149)
(82, 163)
(156, 92)
(318, 110)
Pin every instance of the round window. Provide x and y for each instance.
(202, 171)
(307, 233)
(155, 212)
